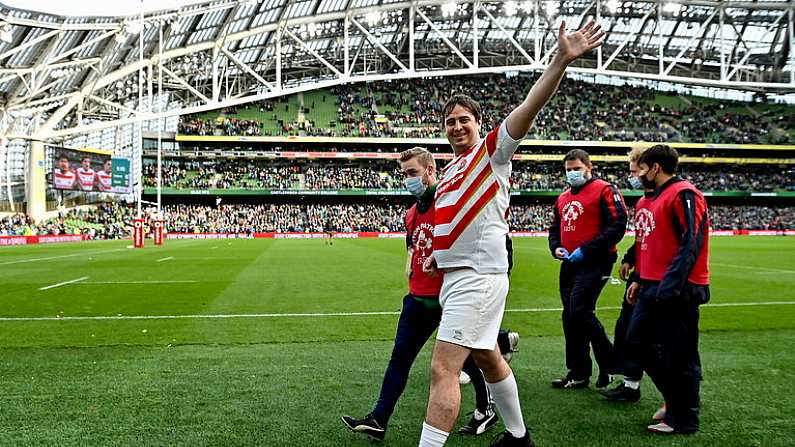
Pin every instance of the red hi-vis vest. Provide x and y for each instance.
(640, 219)
(661, 238)
(420, 229)
(581, 215)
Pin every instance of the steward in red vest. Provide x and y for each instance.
(673, 242)
(628, 362)
(589, 220)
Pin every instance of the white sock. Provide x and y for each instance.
(506, 398)
(632, 384)
(432, 436)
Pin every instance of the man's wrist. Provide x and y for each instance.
(559, 62)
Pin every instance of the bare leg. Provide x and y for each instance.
(445, 396)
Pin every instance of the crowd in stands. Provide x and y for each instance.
(412, 108)
(283, 218)
(111, 220)
(114, 220)
(220, 126)
(384, 174)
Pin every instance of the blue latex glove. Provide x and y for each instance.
(576, 256)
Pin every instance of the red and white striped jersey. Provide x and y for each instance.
(64, 180)
(105, 180)
(472, 201)
(85, 178)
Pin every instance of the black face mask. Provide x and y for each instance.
(648, 184)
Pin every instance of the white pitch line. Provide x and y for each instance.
(142, 282)
(331, 314)
(83, 278)
(747, 267)
(165, 259)
(22, 261)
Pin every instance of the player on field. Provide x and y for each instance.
(421, 311)
(105, 177)
(64, 177)
(85, 175)
(672, 284)
(328, 232)
(469, 246)
(589, 219)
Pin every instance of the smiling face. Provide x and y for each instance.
(461, 128)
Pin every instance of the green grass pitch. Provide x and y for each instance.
(227, 361)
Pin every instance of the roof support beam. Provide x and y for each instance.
(445, 39)
(246, 68)
(314, 53)
(509, 37)
(750, 52)
(696, 36)
(28, 44)
(378, 44)
(182, 82)
(626, 40)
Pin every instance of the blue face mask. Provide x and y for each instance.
(415, 186)
(635, 182)
(575, 178)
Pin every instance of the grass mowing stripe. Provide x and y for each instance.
(82, 253)
(330, 314)
(83, 278)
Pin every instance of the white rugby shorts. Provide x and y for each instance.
(472, 308)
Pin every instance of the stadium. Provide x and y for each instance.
(203, 209)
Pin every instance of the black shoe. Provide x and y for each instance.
(506, 439)
(622, 393)
(603, 380)
(480, 422)
(569, 382)
(368, 425)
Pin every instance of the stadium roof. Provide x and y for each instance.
(64, 74)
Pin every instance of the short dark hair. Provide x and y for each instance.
(465, 102)
(663, 155)
(577, 154)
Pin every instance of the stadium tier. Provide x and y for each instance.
(579, 111)
(114, 220)
(274, 175)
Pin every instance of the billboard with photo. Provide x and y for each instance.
(82, 170)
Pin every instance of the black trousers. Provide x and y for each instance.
(627, 362)
(416, 324)
(580, 286)
(666, 337)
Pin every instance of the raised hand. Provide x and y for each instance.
(571, 46)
